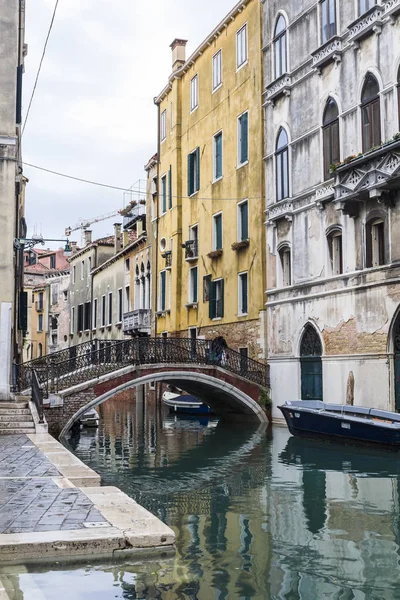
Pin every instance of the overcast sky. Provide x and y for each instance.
(93, 114)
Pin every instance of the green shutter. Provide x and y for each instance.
(222, 297)
(23, 311)
(244, 294)
(218, 156)
(244, 215)
(195, 289)
(212, 301)
(244, 137)
(164, 194)
(189, 175)
(197, 169)
(162, 291)
(170, 188)
(218, 232)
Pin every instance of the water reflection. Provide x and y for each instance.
(259, 515)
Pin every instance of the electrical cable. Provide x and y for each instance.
(40, 66)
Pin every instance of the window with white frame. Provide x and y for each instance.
(94, 316)
(243, 221)
(217, 232)
(163, 125)
(217, 152)
(328, 20)
(241, 46)
(280, 47)
(163, 194)
(365, 5)
(375, 242)
(282, 165)
(286, 266)
(216, 299)
(72, 329)
(127, 298)
(74, 274)
(243, 293)
(89, 266)
(335, 251)
(194, 172)
(82, 269)
(193, 286)
(162, 303)
(194, 93)
(243, 138)
(103, 311)
(217, 70)
(120, 306)
(110, 308)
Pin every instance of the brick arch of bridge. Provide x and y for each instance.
(229, 396)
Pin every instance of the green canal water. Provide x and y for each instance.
(258, 514)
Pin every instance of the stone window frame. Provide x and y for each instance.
(277, 45)
(371, 4)
(368, 105)
(336, 24)
(285, 264)
(376, 247)
(163, 125)
(328, 125)
(280, 175)
(241, 312)
(335, 250)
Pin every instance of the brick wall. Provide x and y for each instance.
(346, 339)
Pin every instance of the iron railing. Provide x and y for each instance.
(90, 360)
(37, 395)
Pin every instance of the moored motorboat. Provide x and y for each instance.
(90, 418)
(185, 403)
(315, 418)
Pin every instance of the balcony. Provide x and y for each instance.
(136, 213)
(168, 259)
(191, 250)
(392, 8)
(279, 87)
(375, 174)
(367, 24)
(280, 210)
(137, 321)
(39, 306)
(330, 51)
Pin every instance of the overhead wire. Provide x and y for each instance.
(40, 66)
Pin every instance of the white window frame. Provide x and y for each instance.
(286, 271)
(94, 314)
(72, 324)
(110, 308)
(241, 61)
(216, 299)
(163, 179)
(215, 178)
(103, 311)
(239, 220)
(239, 140)
(74, 274)
(82, 270)
(163, 125)
(335, 253)
(160, 307)
(89, 266)
(194, 93)
(214, 231)
(127, 298)
(191, 298)
(217, 70)
(120, 306)
(242, 313)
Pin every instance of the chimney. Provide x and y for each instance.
(178, 48)
(117, 238)
(74, 247)
(87, 237)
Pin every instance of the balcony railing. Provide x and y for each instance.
(191, 249)
(137, 212)
(138, 321)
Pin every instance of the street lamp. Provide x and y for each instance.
(27, 244)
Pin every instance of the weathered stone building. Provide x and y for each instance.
(12, 224)
(332, 163)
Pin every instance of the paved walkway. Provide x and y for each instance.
(52, 505)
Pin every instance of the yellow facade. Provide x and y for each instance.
(188, 130)
(35, 341)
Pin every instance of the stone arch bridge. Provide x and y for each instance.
(86, 375)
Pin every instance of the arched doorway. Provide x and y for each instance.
(311, 364)
(396, 350)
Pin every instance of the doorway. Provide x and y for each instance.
(311, 365)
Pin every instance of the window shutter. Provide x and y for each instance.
(244, 137)
(218, 232)
(244, 209)
(195, 284)
(23, 311)
(189, 175)
(212, 301)
(170, 188)
(222, 297)
(197, 169)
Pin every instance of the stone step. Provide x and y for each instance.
(14, 411)
(13, 404)
(13, 418)
(17, 431)
(13, 425)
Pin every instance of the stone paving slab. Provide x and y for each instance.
(19, 457)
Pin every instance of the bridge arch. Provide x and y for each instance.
(226, 400)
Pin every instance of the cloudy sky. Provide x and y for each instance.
(93, 114)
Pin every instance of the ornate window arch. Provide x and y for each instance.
(335, 249)
(331, 139)
(370, 113)
(282, 165)
(280, 46)
(285, 256)
(310, 344)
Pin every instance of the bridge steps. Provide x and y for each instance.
(15, 418)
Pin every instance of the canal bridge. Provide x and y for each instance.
(80, 377)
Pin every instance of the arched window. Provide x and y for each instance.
(282, 165)
(280, 47)
(375, 242)
(328, 20)
(335, 251)
(331, 136)
(286, 266)
(370, 113)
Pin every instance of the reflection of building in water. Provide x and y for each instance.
(329, 529)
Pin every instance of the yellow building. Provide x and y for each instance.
(208, 248)
(35, 341)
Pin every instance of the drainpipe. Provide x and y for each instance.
(157, 386)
